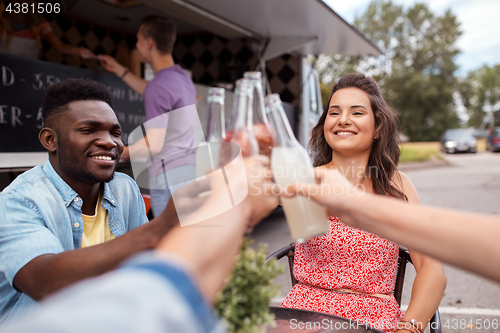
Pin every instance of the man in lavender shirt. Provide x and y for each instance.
(169, 101)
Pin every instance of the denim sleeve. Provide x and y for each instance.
(23, 234)
(138, 209)
(146, 296)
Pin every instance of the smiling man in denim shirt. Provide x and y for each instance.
(73, 217)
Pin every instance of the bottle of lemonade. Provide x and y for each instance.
(290, 163)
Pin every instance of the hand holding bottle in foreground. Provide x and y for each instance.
(290, 163)
(466, 240)
(330, 190)
(211, 244)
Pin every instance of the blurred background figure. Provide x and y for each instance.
(167, 133)
(21, 34)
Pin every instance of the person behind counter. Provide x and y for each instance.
(171, 289)
(73, 217)
(21, 34)
(170, 107)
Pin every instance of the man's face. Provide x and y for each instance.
(89, 143)
(142, 46)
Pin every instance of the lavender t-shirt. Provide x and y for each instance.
(170, 102)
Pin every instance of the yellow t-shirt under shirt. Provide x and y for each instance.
(96, 227)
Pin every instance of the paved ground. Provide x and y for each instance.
(466, 181)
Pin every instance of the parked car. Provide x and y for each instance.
(458, 140)
(493, 140)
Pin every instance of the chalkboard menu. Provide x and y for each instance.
(22, 87)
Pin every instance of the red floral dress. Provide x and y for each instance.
(351, 258)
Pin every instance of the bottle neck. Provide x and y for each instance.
(259, 115)
(282, 128)
(217, 128)
(243, 117)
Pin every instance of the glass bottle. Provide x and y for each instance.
(207, 153)
(261, 127)
(291, 163)
(217, 126)
(240, 129)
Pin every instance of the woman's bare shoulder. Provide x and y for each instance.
(405, 185)
(320, 167)
(400, 179)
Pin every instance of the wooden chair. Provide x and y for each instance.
(404, 258)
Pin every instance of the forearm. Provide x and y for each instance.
(149, 145)
(463, 239)
(427, 292)
(210, 246)
(145, 283)
(67, 49)
(141, 148)
(51, 272)
(134, 81)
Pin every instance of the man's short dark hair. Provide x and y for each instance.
(60, 94)
(162, 30)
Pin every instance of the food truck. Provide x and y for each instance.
(218, 40)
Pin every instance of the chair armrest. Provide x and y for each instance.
(281, 252)
(435, 323)
(404, 254)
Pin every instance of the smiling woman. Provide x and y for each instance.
(349, 272)
(356, 105)
(350, 123)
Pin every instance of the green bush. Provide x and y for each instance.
(244, 301)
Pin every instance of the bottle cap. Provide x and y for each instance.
(244, 87)
(216, 95)
(253, 75)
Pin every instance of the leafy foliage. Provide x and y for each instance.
(416, 72)
(480, 92)
(244, 301)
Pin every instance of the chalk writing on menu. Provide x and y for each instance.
(22, 87)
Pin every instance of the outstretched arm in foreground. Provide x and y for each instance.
(430, 281)
(466, 240)
(211, 245)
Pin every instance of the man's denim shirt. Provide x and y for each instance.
(42, 214)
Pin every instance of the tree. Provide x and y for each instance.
(416, 72)
(480, 92)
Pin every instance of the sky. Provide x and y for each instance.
(479, 20)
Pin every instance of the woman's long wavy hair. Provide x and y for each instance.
(384, 155)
